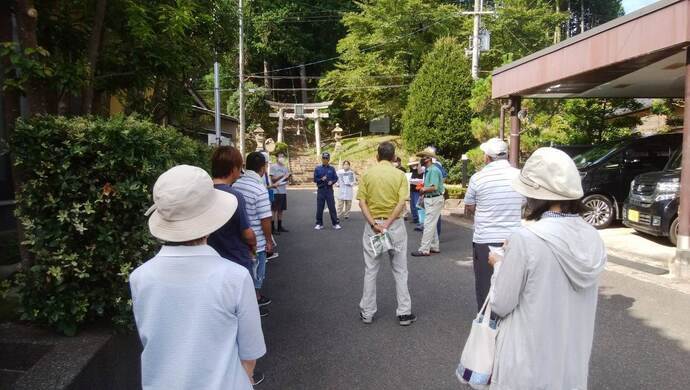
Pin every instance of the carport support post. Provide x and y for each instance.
(515, 102)
(680, 265)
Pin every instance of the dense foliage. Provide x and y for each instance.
(82, 207)
(438, 112)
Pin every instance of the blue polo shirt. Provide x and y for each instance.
(227, 240)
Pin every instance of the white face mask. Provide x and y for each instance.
(421, 169)
(281, 160)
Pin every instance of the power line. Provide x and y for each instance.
(423, 28)
(315, 89)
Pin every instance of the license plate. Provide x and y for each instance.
(633, 216)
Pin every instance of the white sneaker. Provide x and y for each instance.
(337, 226)
(318, 227)
(272, 256)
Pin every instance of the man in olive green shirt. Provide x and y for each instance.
(383, 193)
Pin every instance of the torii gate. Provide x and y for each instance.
(299, 112)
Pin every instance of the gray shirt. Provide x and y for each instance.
(546, 294)
(278, 171)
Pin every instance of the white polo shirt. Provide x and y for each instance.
(197, 318)
(498, 207)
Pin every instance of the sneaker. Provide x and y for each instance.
(337, 226)
(258, 377)
(366, 320)
(435, 251)
(407, 319)
(271, 256)
(318, 227)
(420, 254)
(263, 312)
(283, 230)
(264, 300)
(419, 228)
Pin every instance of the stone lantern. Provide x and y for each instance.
(338, 136)
(259, 138)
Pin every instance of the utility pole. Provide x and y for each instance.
(241, 83)
(216, 98)
(476, 46)
(475, 39)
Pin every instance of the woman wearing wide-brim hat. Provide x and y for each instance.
(545, 291)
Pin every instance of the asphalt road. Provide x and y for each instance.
(316, 341)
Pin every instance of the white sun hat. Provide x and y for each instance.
(495, 147)
(186, 206)
(549, 174)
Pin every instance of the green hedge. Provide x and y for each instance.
(88, 183)
(455, 191)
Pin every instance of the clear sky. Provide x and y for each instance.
(634, 5)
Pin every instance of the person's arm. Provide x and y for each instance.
(249, 238)
(264, 213)
(470, 199)
(513, 276)
(250, 338)
(367, 216)
(268, 233)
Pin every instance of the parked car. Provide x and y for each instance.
(607, 170)
(652, 206)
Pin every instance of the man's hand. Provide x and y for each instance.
(378, 229)
(324, 178)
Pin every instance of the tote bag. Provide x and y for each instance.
(477, 359)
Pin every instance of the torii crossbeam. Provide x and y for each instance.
(300, 112)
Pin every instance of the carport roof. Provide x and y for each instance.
(641, 54)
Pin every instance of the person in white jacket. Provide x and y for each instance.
(546, 291)
(346, 182)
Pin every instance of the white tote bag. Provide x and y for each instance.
(477, 359)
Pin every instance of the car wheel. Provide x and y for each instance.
(673, 232)
(599, 211)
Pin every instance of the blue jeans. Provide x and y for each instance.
(259, 270)
(324, 195)
(414, 198)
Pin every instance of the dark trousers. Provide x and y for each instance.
(414, 198)
(324, 196)
(482, 271)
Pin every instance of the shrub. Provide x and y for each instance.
(88, 183)
(455, 191)
(438, 111)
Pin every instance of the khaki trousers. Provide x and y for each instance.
(398, 260)
(432, 208)
(344, 207)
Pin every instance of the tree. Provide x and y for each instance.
(598, 120)
(382, 51)
(445, 80)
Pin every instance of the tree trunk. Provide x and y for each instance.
(34, 90)
(94, 46)
(10, 113)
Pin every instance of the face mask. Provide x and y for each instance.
(281, 160)
(421, 169)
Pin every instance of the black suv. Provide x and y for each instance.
(652, 206)
(607, 170)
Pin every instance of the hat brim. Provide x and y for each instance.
(536, 192)
(485, 148)
(409, 164)
(222, 209)
(426, 154)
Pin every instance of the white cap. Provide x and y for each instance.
(549, 174)
(495, 147)
(186, 206)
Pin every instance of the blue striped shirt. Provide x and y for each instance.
(258, 206)
(498, 207)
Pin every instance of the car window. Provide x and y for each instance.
(674, 162)
(593, 155)
(648, 154)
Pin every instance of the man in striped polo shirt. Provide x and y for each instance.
(496, 207)
(251, 186)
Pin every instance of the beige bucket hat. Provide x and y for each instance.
(186, 206)
(428, 152)
(549, 174)
(412, 161)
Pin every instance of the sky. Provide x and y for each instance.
(634, 5)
